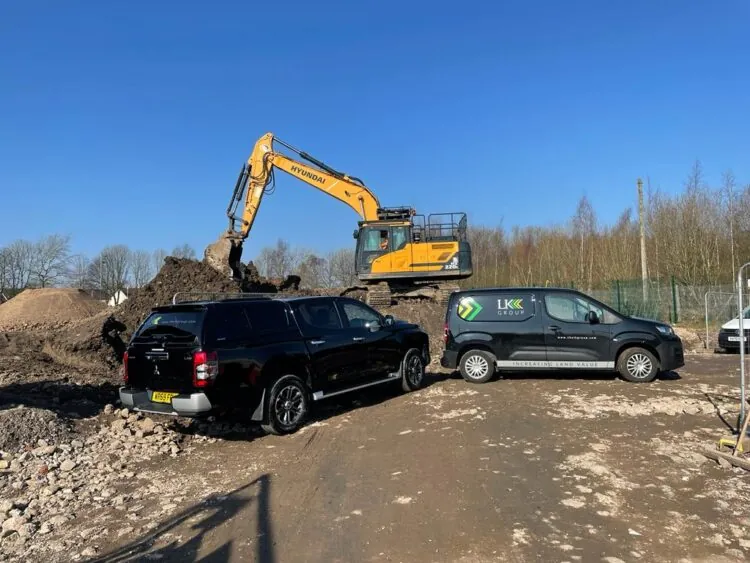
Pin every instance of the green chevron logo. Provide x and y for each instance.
(468, 308)
(515, 304)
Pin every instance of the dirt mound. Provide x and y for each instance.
(429, 315)
(691, 340)
(26, 426)
(101, 338)
(178, 275)
(47, 308)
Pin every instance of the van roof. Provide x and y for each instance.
(519, 288)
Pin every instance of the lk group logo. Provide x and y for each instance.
(468, 308)
(510, 307)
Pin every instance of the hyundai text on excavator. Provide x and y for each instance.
(398, 254)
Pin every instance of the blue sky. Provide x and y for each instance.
(128, 122)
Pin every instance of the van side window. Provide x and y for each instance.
(573, 309)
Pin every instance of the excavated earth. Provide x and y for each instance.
(45, 308)
(529, 467)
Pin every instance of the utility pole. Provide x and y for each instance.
(644, 269)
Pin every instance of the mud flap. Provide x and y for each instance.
(258, 414)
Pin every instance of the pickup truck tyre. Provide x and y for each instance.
(477, 366)
(412, 370)
(288, 405)
(637, 365)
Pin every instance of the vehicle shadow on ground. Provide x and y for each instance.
(237, 426)
(199, 520)
(65, 398)
(568, 376)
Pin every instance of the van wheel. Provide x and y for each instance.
(288, 405)
(412, 370)
(637, 365)
(477, 366)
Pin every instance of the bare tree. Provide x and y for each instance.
(312, 271)
(341, 268)
(20, 259)
(141, 269)
(78, 271)
(158, 258)
(277, 261)
(184, 251)
(4, 269)
(49, 263)
(109, 270)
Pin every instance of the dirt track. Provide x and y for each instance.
(524, 469)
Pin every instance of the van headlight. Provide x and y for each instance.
(665, 329)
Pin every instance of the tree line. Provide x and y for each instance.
(700, 235)
(48, 262)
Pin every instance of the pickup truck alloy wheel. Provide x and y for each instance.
(637, 365)
(477, 366)
(412, 369)
(288, 405)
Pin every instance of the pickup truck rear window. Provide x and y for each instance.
(177, 323)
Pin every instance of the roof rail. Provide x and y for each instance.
(217, 296)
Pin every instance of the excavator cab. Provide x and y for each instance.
(404, 246)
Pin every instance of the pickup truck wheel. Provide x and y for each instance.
(477, 366)
(637, 365)
(412, 370)
(288, 405)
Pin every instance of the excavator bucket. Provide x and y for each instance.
(224, 256)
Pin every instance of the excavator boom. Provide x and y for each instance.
(253, 182)
(394, 251)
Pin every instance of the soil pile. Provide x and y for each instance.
(47, 308)
(430, 316)
(178, 275)
(26, 426)
(101, 338)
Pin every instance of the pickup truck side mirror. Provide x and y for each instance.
(592, 317)
(389, 320)
(374, 326)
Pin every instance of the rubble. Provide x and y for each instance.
(25, 426)
(50, 485)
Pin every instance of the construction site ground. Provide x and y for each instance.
(534, 467)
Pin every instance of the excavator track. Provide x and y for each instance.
(383, 294)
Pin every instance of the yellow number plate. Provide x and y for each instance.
(162, 397)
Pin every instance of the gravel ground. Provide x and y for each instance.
(527, 468)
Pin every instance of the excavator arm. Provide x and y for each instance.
(256, 179)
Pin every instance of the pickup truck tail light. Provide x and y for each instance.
(205, 368)
(125, 367)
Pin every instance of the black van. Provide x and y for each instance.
(552, 329)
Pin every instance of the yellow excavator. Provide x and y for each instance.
(399, 254)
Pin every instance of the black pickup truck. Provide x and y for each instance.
(271, 356)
